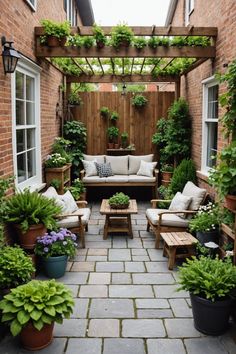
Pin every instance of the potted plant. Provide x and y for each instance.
(104, 111)
(16, 268)
(206, 223)
(167, 172)
(32, 309)
(56, 183)
(57, 167)
(114, 116)
(99, 36)
(210, 283)
(139, 43)
(88, 41)
(124, 139)
(77, 189)
(74, 99)
(31, 213)
(121, 36)
(113, 133)
(223, 177)
(119, 201)
(54, 248)
(55, 34)
(139, 101)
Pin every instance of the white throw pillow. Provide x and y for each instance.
(180, 202)
(146, 168)
(69, 202)
(52, 194)
(135, 161)
(90, 168)
(197, 194)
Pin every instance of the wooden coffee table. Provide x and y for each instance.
(118, 220)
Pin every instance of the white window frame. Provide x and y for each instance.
(31, 69)
(71, 12)
(189, 7)
(32, 4)
(207, 83)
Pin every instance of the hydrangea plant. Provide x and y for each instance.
(206, 219)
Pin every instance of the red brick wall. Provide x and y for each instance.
(221, 14)
(17, 22)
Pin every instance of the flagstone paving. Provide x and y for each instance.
(126, 301)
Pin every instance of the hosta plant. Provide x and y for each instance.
(38, 302)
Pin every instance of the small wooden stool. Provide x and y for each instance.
(175, 240)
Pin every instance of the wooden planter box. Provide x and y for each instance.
(60, 173)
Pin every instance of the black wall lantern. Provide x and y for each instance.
(10, 56)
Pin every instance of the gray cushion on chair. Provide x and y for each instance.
(73, 221)
(197, 194)
(167, 219)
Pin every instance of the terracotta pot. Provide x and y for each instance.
(166, 176)
(230, 201)
(100, 45)
(53, 41)
(110, 145)
(32, 339)
(116, 146)
(82, 196)
(165, 183)
(27, 240)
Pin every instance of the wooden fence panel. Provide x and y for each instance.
(139, 123)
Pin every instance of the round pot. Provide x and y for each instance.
(116, 146)
(54, 267)
(166, 176)
(110, 145)
(210, 318)
(100, 45)
(28, 239)
(230, 201)
(208, 236)
(32, 339)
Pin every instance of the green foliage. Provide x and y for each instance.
(56, 183)
(209, 278)
(39, 302)
(184, 172)
(76, 189)
(223, 178)
(88, 41)
(105, 112)
(167, 168)
(121, 35)
(5, 184)
(61, 146)
(16, 267)
(75, 41)
(155, 42)
(113, 133)
(114, 116)
(207, 218)
(118, 199)
(202, 250)
(139, 43)
(124, 139)
(55, 160)
(228, 218)
(160, 138)
(74, 98)
(139, 101)
(99, 35)
(29, 208)
(52, 28)
(76, 132)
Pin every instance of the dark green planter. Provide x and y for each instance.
(208, 236)
(54, 267)
(211, 318)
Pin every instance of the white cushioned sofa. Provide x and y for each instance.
(126, 170)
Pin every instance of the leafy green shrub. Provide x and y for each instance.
(76, 189)
(119, 199)
(139, 101)
(99, 36)
(207, 218)
(39, 302)
(29, 208)
(139, 42)
(56, 183)
(114, 116)
(121, 35)
(5, 184)
(104, 111)
(52, 28)
(16, 267)
(113, 133)
(209, 278)
(61, 146)
(88, 41)
(183, 173)
(74, 99)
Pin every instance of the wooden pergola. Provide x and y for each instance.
(92, 62)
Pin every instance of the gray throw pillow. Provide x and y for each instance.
(104, 169)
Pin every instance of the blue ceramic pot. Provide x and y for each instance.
(54, 267)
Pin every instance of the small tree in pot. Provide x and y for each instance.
(113, 133)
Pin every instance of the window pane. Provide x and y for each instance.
(30, 138)
(211, 144)
(31, 159)
(21, 167)
(30, 118)
(213, 102)
(20, 140)
(29, 88)
(20, 116)
(19, 85)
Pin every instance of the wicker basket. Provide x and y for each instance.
(119, 206)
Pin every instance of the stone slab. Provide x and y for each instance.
(93, 291)
(71, 328)
(130, 291)
(80, 309)
(138, 252)
(97, 252)
(181, 328)
(169, 291)
(209, 345)
(157, 267)
(99, 278)
(155, 313)
(121, 278)
(84, 346)
(165, 345)
(109, 267)
(123, 346)
(119, 255)
(144, 278)
(152, 303)
(134, 267)
(180, 308)
(111, 308)
(143, 328)
(74, 278)
(83, 267)
(104, 328)
(11, 345)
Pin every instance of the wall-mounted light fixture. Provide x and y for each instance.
(124, 89)
(10, 56)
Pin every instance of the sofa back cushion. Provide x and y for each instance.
(135, 161)
(98, 158)
(197, 194)
(90, 168)
(119, 164)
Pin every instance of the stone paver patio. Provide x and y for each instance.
(126, 301)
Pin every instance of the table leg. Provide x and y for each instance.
(130, 226)
(105, 234)
(172, 253)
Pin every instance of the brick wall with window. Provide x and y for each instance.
(219, 14)
(19, 123)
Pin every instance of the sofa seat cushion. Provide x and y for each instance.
(135, 161)
(72, 221)
(197, 194)
(94, 179)
(117, 178)
(141, 179)
(98, 158)
(167, 219)
(119, 164)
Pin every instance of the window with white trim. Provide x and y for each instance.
(26, 126)
(71, 11)
(32, 4)
(189, 7)
(210, 124)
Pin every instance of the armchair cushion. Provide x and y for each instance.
(146, 168)
(90, 168)
(52, 194)
(180, 202)
(70, 205)
(135, 161)
(73, 221)
(167, 219)
(197, 194)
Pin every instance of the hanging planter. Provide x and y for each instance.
(55, 34)
(139, 101)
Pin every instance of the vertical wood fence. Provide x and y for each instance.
(140, 124)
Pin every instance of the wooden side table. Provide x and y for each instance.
(118, 220)
(175, 240)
